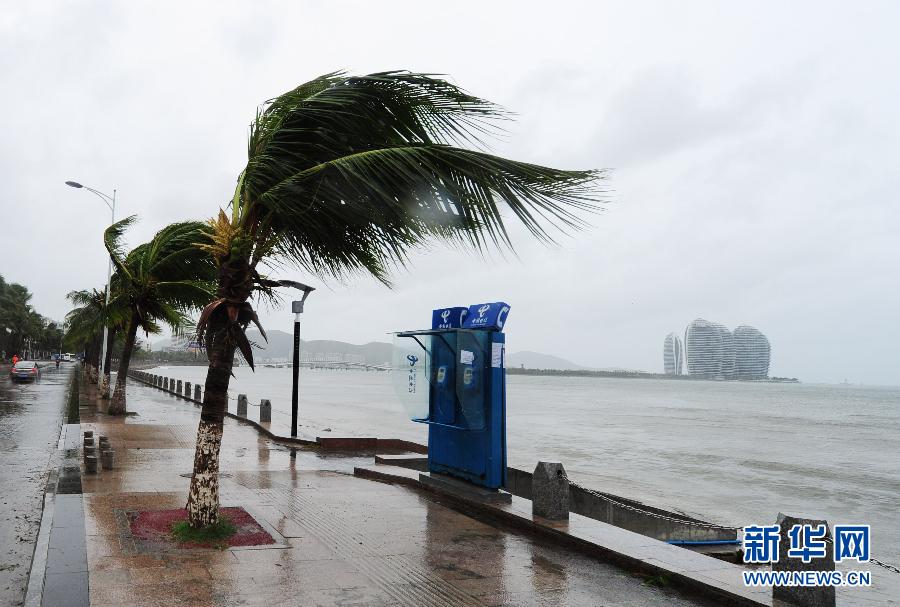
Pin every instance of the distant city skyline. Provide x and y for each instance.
(714, 352)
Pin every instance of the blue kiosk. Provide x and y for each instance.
(452, 378)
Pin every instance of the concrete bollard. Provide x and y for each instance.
(265, 410)
(550, 491)
(197, 394)
(90, 464)
(106, 459)
(187, 390)
(178, 387)
(242, 405)
(800, 596)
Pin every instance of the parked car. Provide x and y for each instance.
(25, 370)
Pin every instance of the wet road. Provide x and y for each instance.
(30, 420)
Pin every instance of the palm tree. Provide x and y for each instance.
(85, 326)
(159, 281)
(346, 175)
(18, 319)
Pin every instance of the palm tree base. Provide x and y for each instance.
(104, 387)
(117, 404)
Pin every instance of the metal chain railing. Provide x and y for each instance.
(873, 560)
(664, 517)
(703, 525)
(884, 565)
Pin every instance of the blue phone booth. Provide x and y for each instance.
(459, 364)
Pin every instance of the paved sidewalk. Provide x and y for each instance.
(340, 540)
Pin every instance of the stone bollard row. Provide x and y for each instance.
(106, 459)
(190, 391)
(90, 452)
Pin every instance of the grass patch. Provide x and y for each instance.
(73, 402)
(660, 581)
(212, 535)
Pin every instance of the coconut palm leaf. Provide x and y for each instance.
(158, 282)
(113, 240)
(349, 173)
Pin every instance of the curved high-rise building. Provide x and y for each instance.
(709, 349)
(752, 353)
(672, 354)
(728, 361)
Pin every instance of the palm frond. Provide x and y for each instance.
(112, 239)
(349, 173)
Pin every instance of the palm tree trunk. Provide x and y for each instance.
(203, 498)
(117, 405)
(95, 358)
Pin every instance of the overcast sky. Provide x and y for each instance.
(754, 151)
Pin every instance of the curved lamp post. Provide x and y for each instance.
(111, 203)
(297, 309)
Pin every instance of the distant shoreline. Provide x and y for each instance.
(637, 375)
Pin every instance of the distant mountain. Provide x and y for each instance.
(537, 360)
(281, 347)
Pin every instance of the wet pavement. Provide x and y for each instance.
(340, 540)
(30, 419)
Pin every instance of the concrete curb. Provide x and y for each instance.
(34, 591)
(57, 488)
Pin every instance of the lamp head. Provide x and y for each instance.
(297, 306)
(74, 184)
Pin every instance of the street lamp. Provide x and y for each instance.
(297, 308)
(111, 203)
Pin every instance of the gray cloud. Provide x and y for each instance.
(753, 150)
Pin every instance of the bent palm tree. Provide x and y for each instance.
(85, 326)
(344, 175)
(159, 281)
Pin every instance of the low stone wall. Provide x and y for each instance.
(628, 514)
